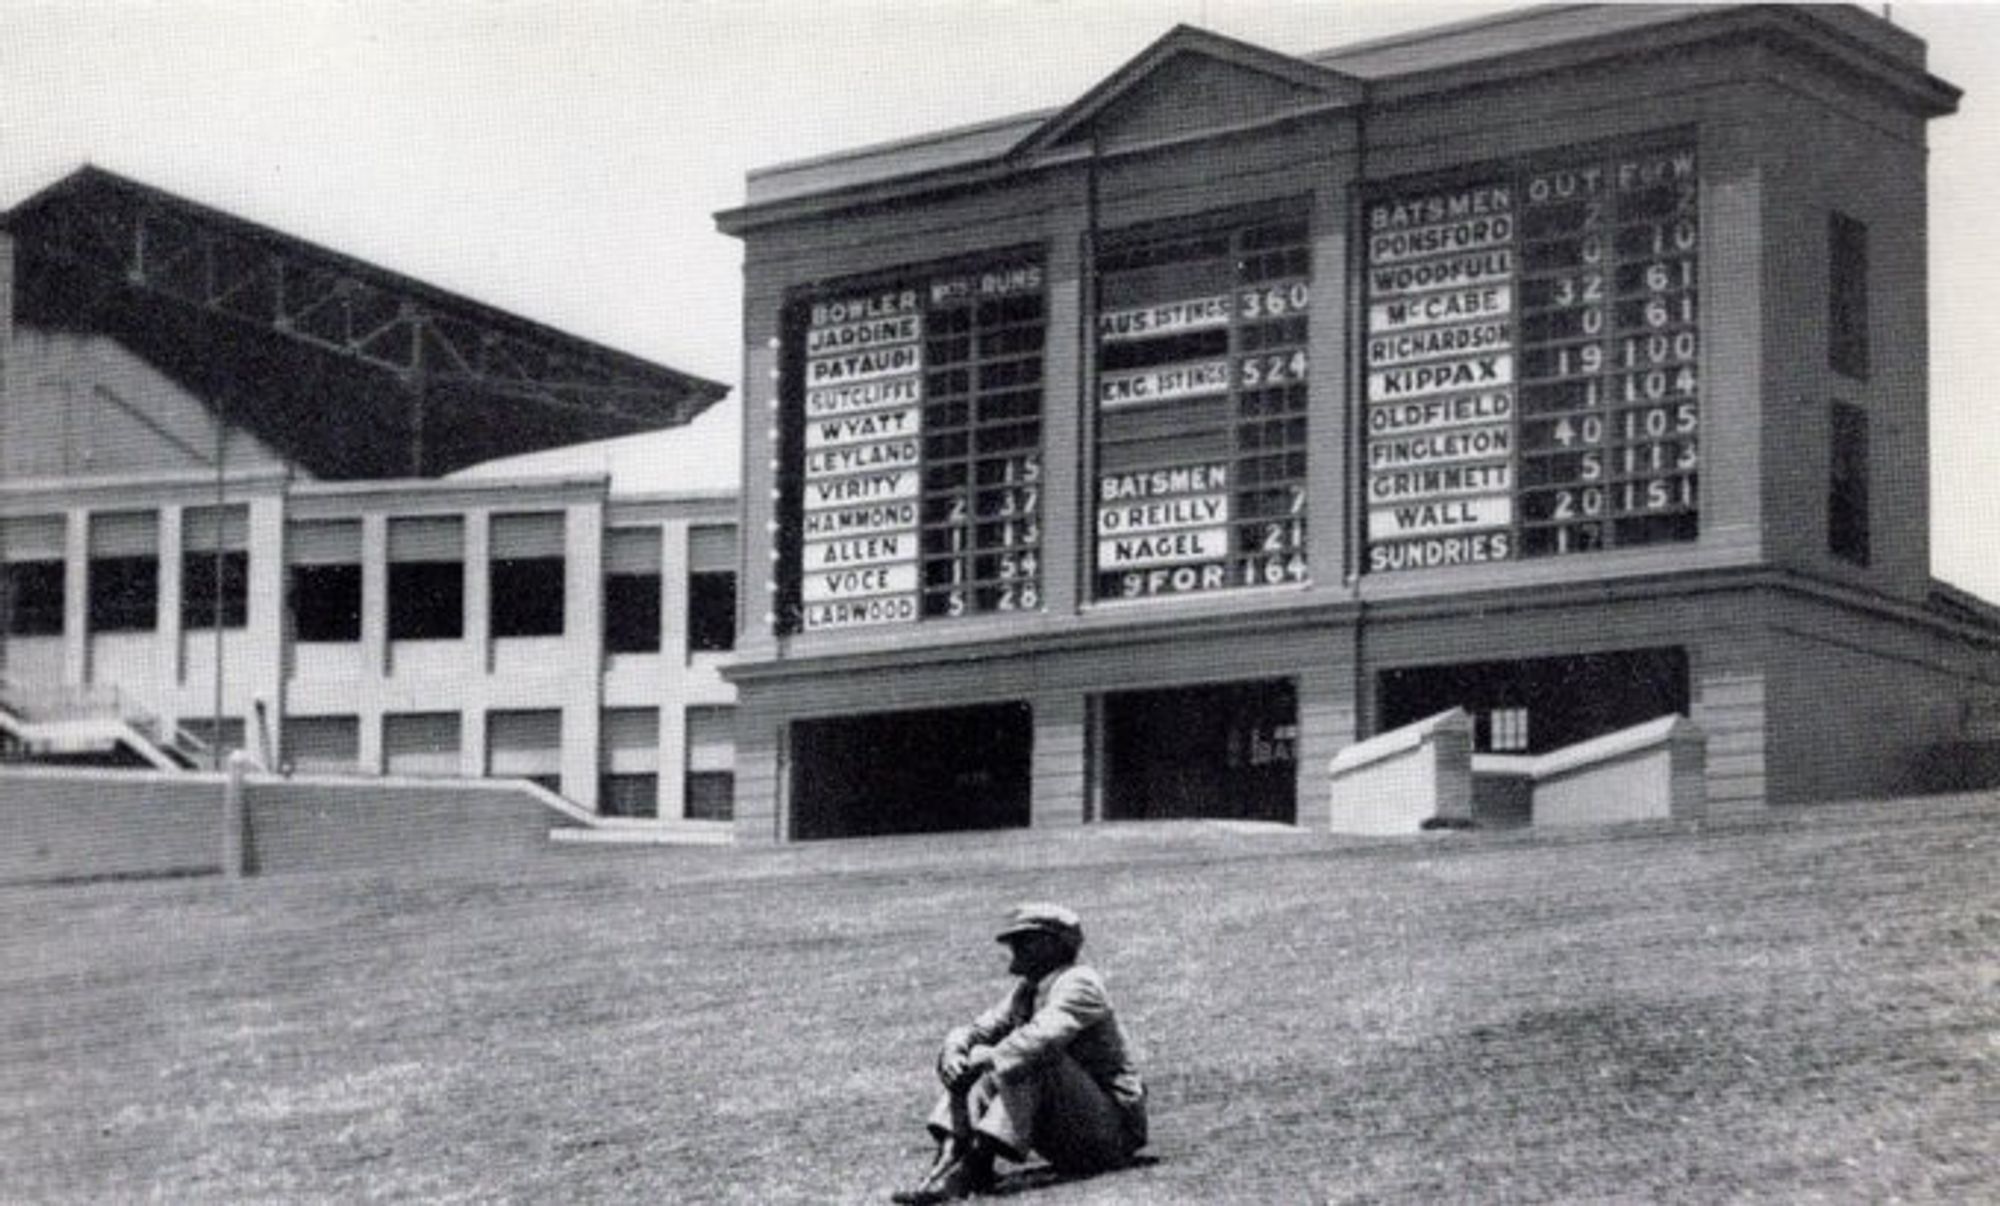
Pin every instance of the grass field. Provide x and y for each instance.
(1802, 1008)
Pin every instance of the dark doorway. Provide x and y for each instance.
(912, 772)
(1541, 704)
(1225, 751)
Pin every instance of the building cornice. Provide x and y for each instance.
(45, 494)
(1343, 614)
(1819, 39)
(414, 495)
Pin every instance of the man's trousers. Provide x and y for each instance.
(1056, 1109)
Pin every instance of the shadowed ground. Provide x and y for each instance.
(1802, 1007)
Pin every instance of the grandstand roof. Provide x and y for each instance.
(698, 459)
(347, 369)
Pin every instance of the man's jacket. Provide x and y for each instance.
(1066, 1012)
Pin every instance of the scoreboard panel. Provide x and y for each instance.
(910, 448)
(1532, 351)
(1200, 408)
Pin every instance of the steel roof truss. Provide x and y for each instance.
(154, 247)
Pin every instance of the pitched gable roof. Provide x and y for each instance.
(1121, 109)
(1223, 82)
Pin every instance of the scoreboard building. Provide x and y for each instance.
(1131, 459)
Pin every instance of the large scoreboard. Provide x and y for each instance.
(1527, 356)
(1200, 401)
(1532, 352)
(908, 483)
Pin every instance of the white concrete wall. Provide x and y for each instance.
(1393, 783)
(1654, 771)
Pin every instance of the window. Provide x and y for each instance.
(711, 796)
(525, 745)
(124, 594)
(323, 589)
(527, 597)
(426, 601)
(632, 590)
(32, 577)
(31, 598)
(1847, 485)
(215, 567)
(1847, 296)
(1507, 730)
(628, 783)
(124, 572)
(711, 589)
(527, 576)
(421, 744)
(326, 602)
(711, 612)
(323, 744)
(632, 613)
(215, 586)
(711, 764)
(426, 579)
(629, 795)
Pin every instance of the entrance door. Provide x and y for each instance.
(1216, 751)
(912, 772)
(1541, 704)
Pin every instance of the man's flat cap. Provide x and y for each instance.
(1037, 917)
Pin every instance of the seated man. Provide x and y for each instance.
(1046, 1070)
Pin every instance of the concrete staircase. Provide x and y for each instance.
(1426, 776)
(90, 726)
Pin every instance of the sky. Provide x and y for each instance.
(563, 161)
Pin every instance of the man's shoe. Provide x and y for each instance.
(937, 1187)
(958, 1179)
(926, 1191)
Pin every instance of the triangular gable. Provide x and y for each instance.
(1187, 81)
(81, 405)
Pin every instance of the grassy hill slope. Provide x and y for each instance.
(1802, 1007)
